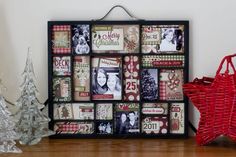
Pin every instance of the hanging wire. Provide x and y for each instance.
(118, 6)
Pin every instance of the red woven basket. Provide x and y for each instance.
(215, 98)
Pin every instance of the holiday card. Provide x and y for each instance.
(127, 118)
(115, 38)
(106, 78)
(149, 84)
(74, 127)
(104, 127)
(155, 108)
(63, 111)
(162, 39)
(177, 118)
(171, 82)
(163, 61)
(155, 125)
(61, 39)
(81, 78)
(62, 89)
(61, 66)
(131, 78)
(104, 111)
(81, 39)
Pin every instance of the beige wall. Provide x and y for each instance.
(23, 23)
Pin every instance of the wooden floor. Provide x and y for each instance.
(126, 148)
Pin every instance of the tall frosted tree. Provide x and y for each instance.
(8, 134)
(32, 124)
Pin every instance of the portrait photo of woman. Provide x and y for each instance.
(168, 42)
(121, 125)
(113, 86)
(100, 81)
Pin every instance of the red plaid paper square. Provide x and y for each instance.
(61, 39)
(67, 127)
(162, 91)
(74, 128)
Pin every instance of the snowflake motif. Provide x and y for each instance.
(131, 45)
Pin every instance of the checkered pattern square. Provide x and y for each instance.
(162, 90)
(68, 127)
(67, 30)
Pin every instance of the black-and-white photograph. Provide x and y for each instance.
(81, 39)
(104, 128)
(106, 83)
(149, 84)
(172, 39)
(127, 122)
(127, 118)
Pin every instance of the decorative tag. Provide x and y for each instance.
(62, 89)
(149, 84)
(107, 75)
(171, 82)
(155, 125)
(61, 66)
(155, 108)
(61, 39)
(74, 127)
(127, 118)
(115, 39)
(163, 61)
(82, 78)
(177, 118)
(162, 39)
(104, 111)
(131, 78)
(81, 39)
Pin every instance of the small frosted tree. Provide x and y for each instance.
(32, 124)
(7, 129)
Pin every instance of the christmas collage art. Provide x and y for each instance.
(118, 78)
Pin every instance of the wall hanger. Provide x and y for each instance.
(122, 7)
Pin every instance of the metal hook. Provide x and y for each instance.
(118, 6)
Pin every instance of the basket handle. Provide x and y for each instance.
(229, 63)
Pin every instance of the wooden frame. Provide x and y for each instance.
(181, 64)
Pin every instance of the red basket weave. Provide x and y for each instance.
(215, 98)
